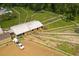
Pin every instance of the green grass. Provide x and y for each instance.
(26, 14)
(14, 21)
(77, 19)
(67, 48)
(60, 23)
(22, 14)
(41, 16)
(21, 38)
(8, 23)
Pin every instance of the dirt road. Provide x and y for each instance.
(31, 49)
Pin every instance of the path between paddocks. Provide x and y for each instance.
(52, 47)
(63, 27)
(17, 13)
(61, 40)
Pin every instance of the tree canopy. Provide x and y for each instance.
(68, 10)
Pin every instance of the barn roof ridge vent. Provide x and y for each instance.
(25, 27)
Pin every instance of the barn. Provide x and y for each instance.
(25, 27)
(1, 31)
(5, 38)
(4, 11)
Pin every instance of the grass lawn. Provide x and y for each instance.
(43, 16)
(9, 23)
(77, 19)
(28, 15)
(72, 49)
(60, 23)
(22, 14)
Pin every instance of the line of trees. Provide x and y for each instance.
(68, 10)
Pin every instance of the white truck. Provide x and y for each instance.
(15, 40)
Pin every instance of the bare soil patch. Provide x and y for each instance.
(31, 49)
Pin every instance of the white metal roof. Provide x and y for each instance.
(21, 28)
(1, 31)
(4, 11)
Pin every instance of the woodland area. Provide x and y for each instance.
(68, 10)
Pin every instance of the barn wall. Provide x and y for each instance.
(5, 41)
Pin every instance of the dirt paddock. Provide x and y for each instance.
(31, 49)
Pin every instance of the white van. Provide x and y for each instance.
(15, 40)
(21, 46)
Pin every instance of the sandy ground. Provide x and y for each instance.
(31, 49)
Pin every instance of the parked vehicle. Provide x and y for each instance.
(20, 46)
(15, 40)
